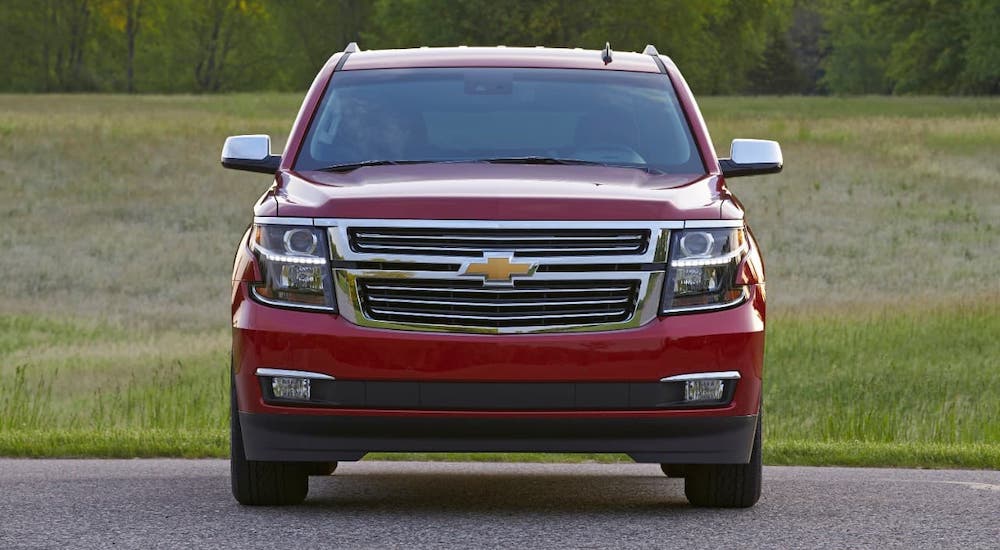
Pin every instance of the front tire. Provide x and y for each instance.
(673, 470)
(257, 483)
(321, 469)
(726, 485)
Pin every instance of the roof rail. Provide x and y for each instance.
(352, 48)
(606, 53)
(650, 50)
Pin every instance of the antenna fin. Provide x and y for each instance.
(650, 50)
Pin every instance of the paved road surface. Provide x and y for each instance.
(186, 504)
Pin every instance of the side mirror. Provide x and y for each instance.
(250, 153)
(752, 157)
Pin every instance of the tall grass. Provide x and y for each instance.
(925, 377)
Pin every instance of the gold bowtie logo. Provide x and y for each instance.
(498, 268)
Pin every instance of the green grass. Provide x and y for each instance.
(881, 239)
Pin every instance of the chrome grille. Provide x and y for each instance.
(548, 303)
(535, 242)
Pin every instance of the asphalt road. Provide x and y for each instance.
(186, 504)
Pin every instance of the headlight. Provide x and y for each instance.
(702, 270)
(294, 265)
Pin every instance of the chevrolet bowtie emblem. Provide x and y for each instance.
(497, 267)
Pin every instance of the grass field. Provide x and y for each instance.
(881, 239)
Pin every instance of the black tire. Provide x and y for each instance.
(726, 485)
(321, 468)
(258, 483)
(673, 470)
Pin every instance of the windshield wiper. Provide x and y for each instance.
(566, 162)
(539, 160)
(347, 167)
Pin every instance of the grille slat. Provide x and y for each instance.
(508, 317)
(471, 304)
(518, 251)
(510, 290)
(521, 242)
(488, 304)
(504, 238)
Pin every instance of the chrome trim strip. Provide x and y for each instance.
(278, 220)
(459, 237)
(721, 375)
(709, 224)
(510, 318)
(444, 301)
(500, 305)
(494, 290)
(293, 374)
(645, 310)
(656, 249)
(478, 252)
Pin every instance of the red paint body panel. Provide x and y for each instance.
(499, 192)
(725, 340)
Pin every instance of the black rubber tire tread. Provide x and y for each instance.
(257, 483)
(726, 485)
(673, 470)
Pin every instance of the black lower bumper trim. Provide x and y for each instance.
(689, 440)
(470, 396)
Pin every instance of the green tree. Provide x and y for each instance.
(981, 71)
(310, 31)
(859, 48)
(411, 23)
(778, 72)
(47, 45)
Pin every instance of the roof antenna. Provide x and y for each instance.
(606, 53)
(351, 48)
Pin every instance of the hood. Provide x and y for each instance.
(500, 192)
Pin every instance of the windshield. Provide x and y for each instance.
(550, 116)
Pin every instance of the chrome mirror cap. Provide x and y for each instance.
(751, 157)
(251, 153)
(252, 147)
(755, 151)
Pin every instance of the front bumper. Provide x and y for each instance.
(694, 440)
(728, 340)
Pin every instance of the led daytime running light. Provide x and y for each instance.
(283, 258)
(707, 262)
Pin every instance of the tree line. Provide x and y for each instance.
(723, 46)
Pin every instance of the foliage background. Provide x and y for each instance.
(723, 46)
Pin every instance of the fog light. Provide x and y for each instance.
(704, 390)
(290, 388)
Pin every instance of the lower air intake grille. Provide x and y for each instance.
(471, 304)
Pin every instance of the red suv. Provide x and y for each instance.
(498, 250)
